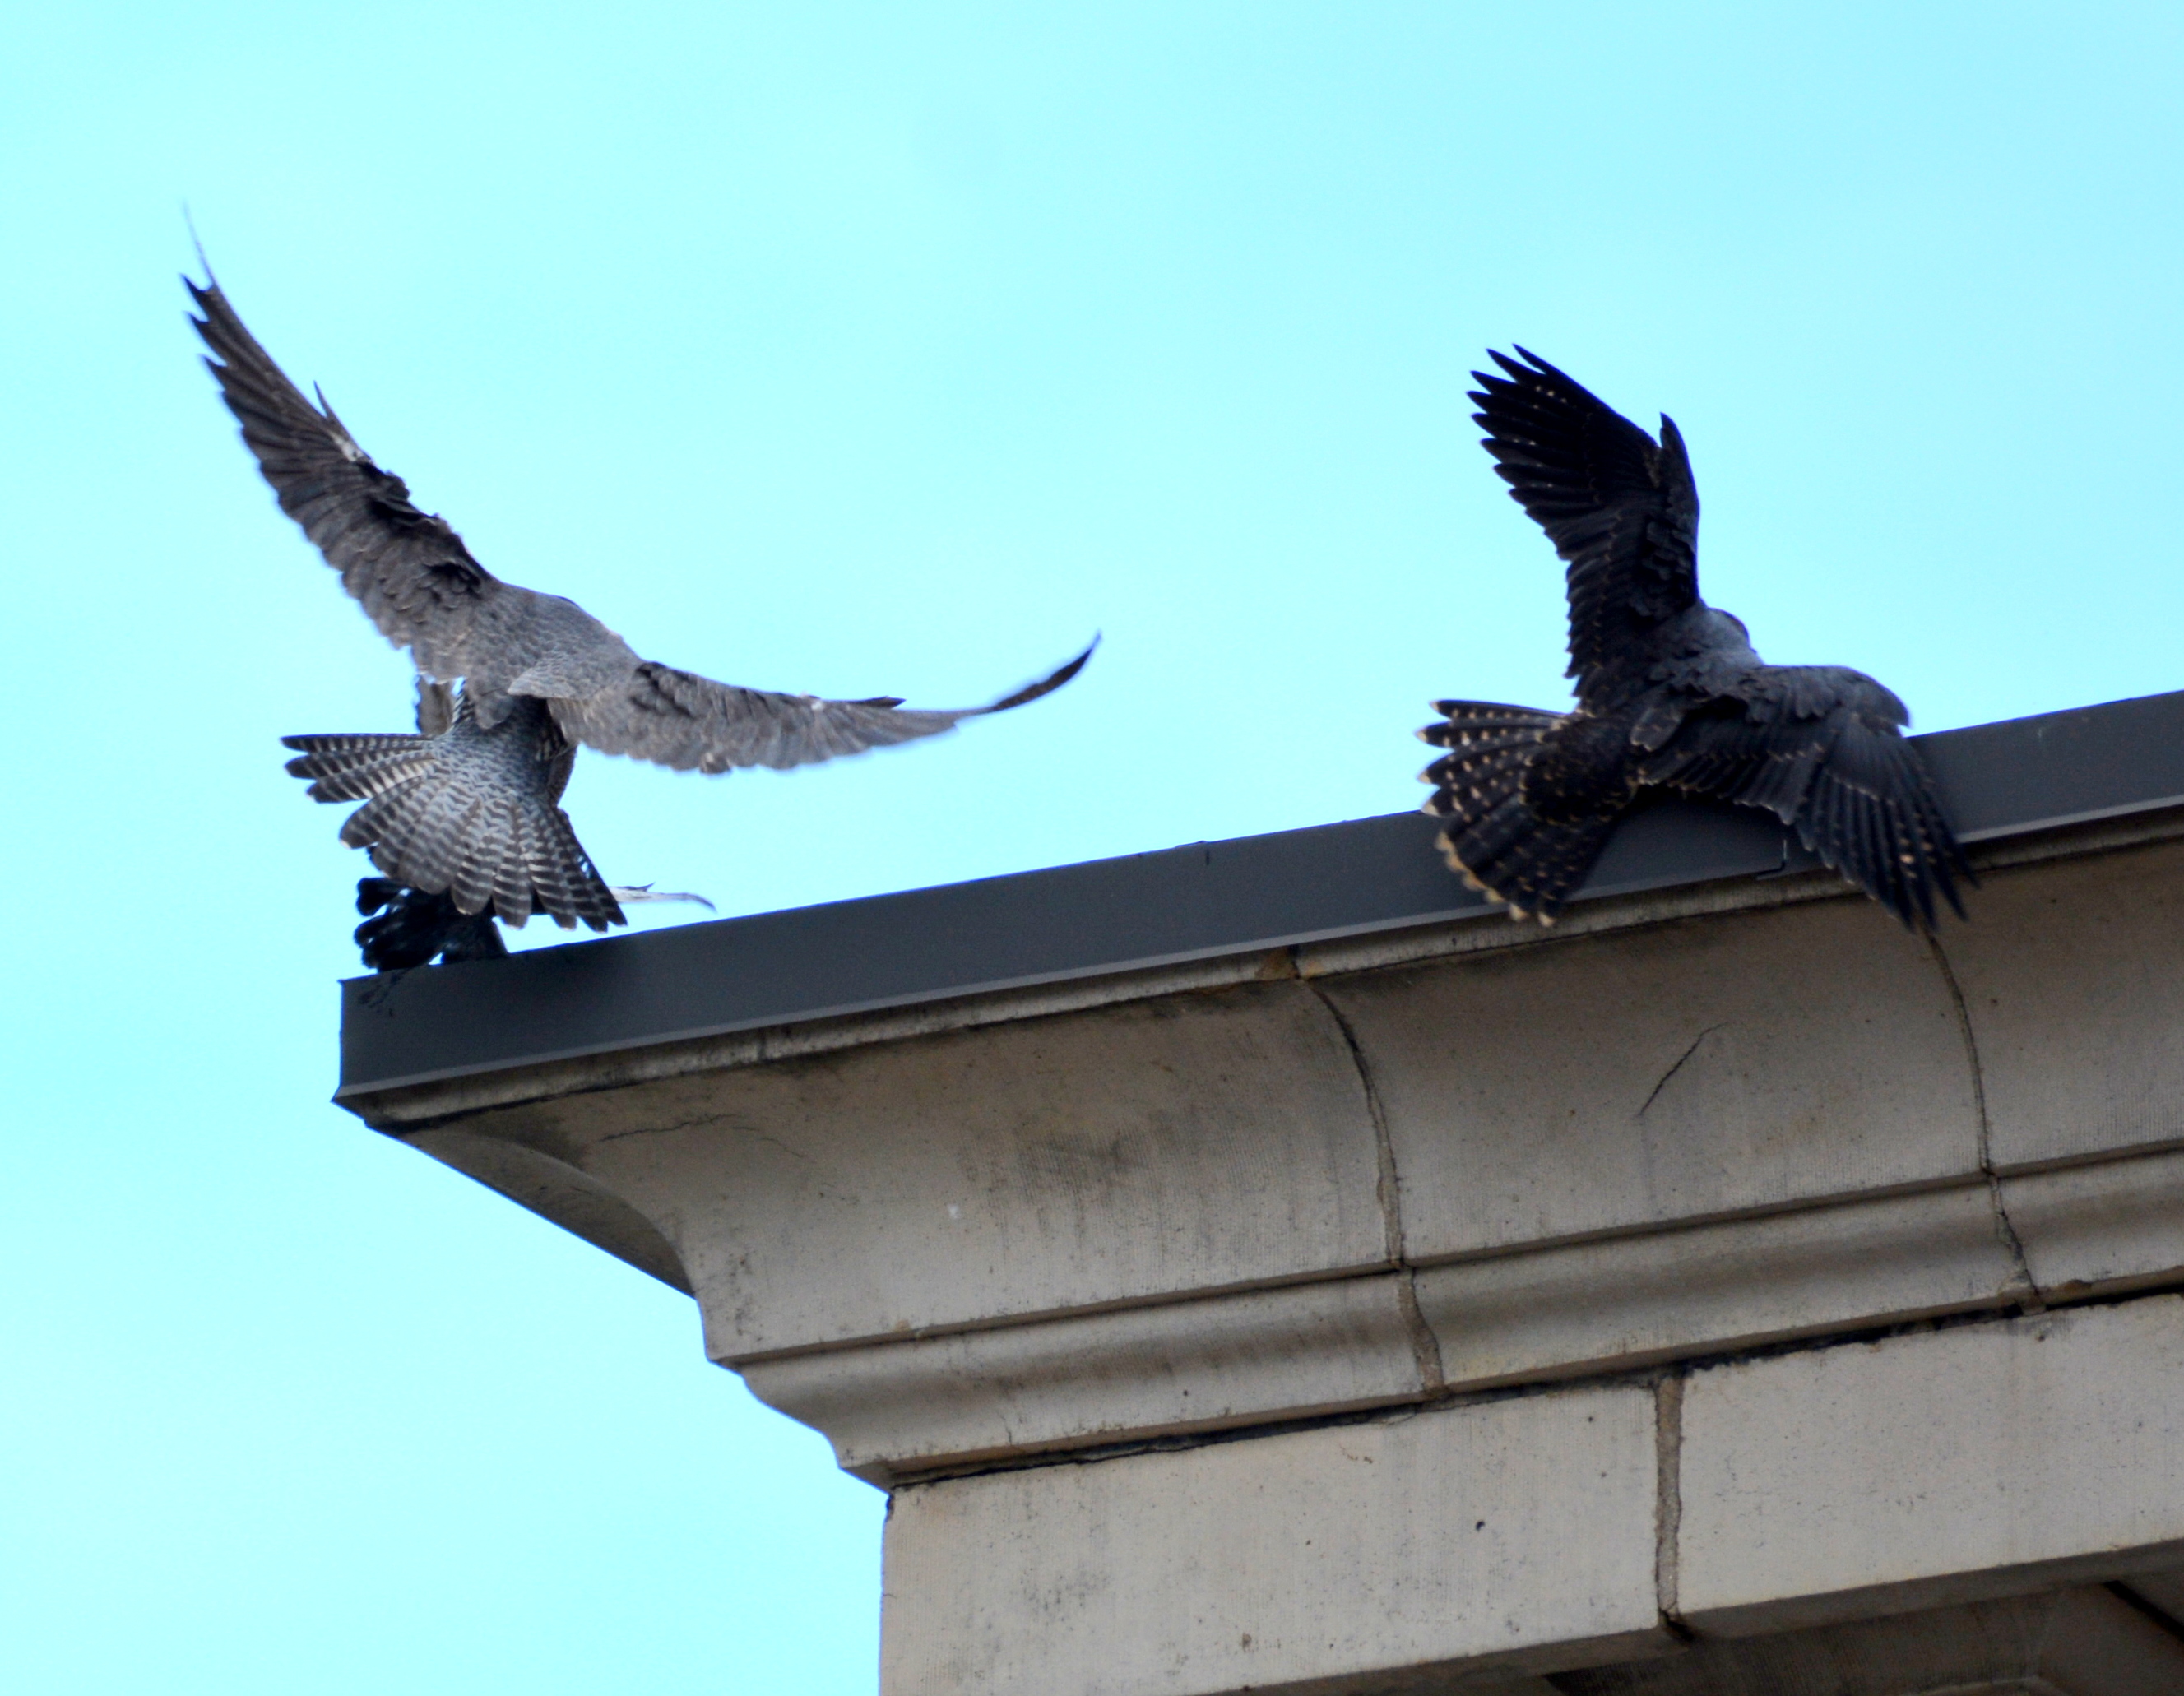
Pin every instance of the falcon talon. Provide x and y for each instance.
(1670, 694)
(626, 893)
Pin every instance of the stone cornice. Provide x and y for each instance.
(1407, 1169)
(427, 1043)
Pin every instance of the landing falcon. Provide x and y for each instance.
(468, 808)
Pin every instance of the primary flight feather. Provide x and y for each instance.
(468, 807)
(1669, 691)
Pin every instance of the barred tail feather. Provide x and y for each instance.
(402, 835)
(371, 825)
(435, 852)
(480, 855)
(1479, 724)
(444, 836)
(1493, 837)
(1520, 859)
(356, 768)
(511, 882)
(569, 887)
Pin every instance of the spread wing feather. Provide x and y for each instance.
(693, 723)
(422, 588)
(1851, 784)
(1621, 508)
(409, 568)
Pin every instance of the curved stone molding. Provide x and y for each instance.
(1634, 1301)
(1752, 1061)
(1132, 1151)
(579, 1203)
(1135, 1374)
(2092, 1230)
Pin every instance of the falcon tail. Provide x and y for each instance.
(427, 830)
(1493, 837)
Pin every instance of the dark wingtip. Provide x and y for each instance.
(1047, 685)
(1534, 367)
(190, 224)
(209, 296)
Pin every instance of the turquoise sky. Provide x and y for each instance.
(888, 348)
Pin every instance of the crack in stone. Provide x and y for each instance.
(1677, 1067)
(702, 1122)
(2004, 1228)
(1425, 1346)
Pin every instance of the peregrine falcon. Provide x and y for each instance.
(1670, 692)
(468, 808)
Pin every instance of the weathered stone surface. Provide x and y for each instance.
(2100, 1227)
(1134, 1373)
(1630, 1301)
(2070, 978)
(1931, 1468)
(1699, 1068)
(2082, 1642)
(1516, 1535)
(1126, 1152)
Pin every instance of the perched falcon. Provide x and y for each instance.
(468, 808)
(1670, 692)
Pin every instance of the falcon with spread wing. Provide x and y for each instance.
(468, 808)
(1669, 691)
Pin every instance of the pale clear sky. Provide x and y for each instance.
(879, 349)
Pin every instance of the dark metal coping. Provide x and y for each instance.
(1198, 902)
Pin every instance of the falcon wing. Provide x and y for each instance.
(693, 724)
(427, 593)
(1844, 776)
(1621, 509)
(408, 568)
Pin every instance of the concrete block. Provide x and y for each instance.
(1933, 1468)
(2070, 978)
(2103, 1226)
(1207, 1142)
(2083, 1642)
(1630, 1301)
(1129, 1375)
(1699, 1068)
(1516, 1536)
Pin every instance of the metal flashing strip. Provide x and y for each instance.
(1201, 901)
